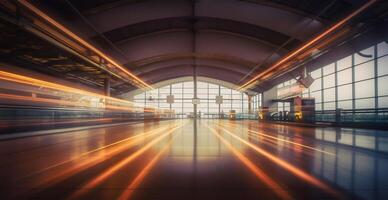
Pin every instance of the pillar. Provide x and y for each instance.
(250, 104)
(195, 90)
(107, 87)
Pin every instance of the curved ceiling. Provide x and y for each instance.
(229, 40)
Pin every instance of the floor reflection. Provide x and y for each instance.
(198, 159)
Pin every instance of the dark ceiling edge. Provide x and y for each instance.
(128, 32)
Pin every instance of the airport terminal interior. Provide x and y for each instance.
(194, 99)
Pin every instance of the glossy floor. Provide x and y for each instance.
(203, 159)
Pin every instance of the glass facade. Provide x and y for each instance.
(355, 82)
(206, 92)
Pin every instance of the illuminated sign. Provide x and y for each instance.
(290, 91)
(219, 99)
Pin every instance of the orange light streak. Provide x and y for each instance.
(296, 171)
(40, 83)
(274, 144)
(112, 153)
(128, 192)
(311, 42)
(55, 122)
(109, 172)
(16, 78)
(80, 40)
(62, 172)
(59, 102)
(288, 141)
(259, 173)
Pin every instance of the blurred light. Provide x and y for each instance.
(110, 102)
(261, 175)
(80, 40)
(128, 191)
(294, 170)
(269, 71)
(119, 165)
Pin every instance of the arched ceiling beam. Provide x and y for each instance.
(241, 29)
(106, 5)
(190, 56)
(238, 71)
(289, 8)
(176, 71)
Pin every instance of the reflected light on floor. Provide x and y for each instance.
(296, 171)
(109, 172)
(128, 192)
(261, 175)
(291, 142)
(59, 172)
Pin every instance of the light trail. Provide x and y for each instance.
(109, 172)
(50, 176)
(310, 43)
(112, 153)
(59, 102)
(290, 142)
(34, 123)
(16, 78)
(62, 28)
(40, 83)
(273, 144)
(128, 192)
(259, 173)
(294, 170)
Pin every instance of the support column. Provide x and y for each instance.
(250, 104)
(107, 87)
(195, 89)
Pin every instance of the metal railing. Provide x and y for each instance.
(29, 118)
(367, 117)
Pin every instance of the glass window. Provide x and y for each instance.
(345, 92)
(213, 91)
(345, 104)
(383, 86)
(365, 103)
(316, 73)
(364, 71)
(364, 55)
(188, 84)
(188, 94)
(165, 89)
(329, 95)
(329, 81)
(344, 63)
(382, 66)
(317, 85)
(201, 84)
(318, 106)
(213, 86)
(226, 106)
(280, 107)
(329, 106)
(305, 95)
(383, 102)
(328, 69)
(382, 49)
(139, 96)
(365, 89)
(317, 95)
(184, 92)
(152, 94)
(344, 77)
(177, 85)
